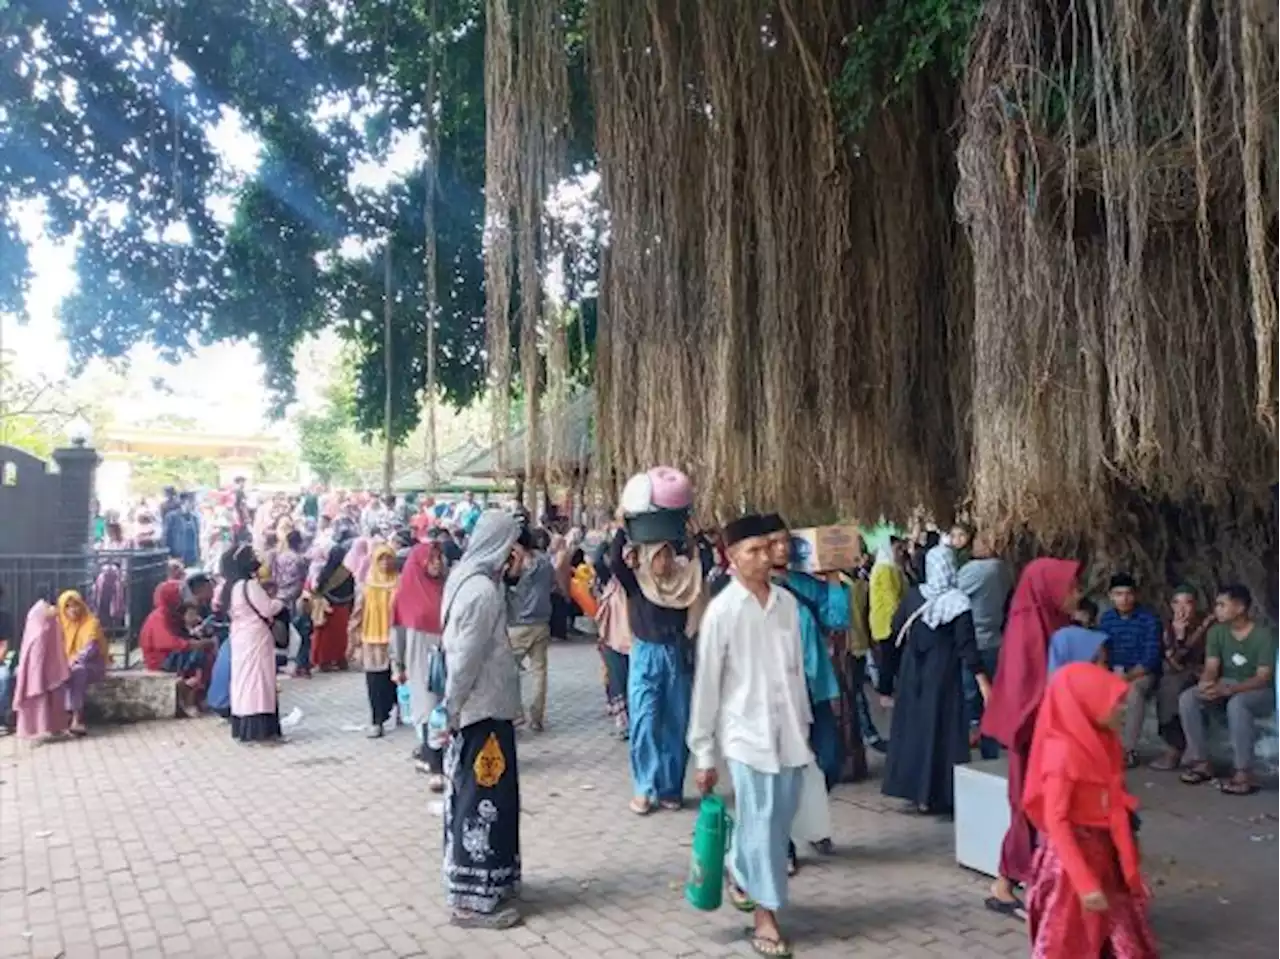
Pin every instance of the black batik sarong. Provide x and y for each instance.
(482, 817)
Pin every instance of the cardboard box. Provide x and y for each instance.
(820, 549)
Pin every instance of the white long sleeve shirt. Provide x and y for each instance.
(749, 697)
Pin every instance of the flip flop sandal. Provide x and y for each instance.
(1165, 765)
(1013, 908)
(776, 948)
(670, 805)
(737, 897)
(1194, 777)
(640, 806)
(1234, 788)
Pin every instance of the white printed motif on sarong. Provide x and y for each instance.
(475, 832)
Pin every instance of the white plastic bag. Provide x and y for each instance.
(813, 815)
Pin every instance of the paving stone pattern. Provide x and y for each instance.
(168, 839)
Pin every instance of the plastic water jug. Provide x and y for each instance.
(711, 834)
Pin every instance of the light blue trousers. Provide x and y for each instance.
(659, 689)
(765, 805)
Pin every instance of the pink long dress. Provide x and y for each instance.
(253, 653)
(40, 692)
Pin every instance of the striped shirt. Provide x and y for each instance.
(1133, 640)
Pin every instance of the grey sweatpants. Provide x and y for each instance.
(1242, 709)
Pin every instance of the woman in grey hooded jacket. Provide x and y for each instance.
(482, 699)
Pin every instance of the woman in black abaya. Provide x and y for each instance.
(930, 732)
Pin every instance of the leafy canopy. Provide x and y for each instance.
(110, 116)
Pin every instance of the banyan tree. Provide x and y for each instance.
(1037, 288)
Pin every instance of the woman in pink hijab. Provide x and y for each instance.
(359, 557)
(357, 562)
(40, 693)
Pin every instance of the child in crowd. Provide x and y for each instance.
(1078, 642)
(196, 628)
(8, 669)
(1087, 894)
(302, 623)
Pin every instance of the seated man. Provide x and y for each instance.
(1240, 657)
(1133, 649)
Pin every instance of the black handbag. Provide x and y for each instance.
(279, 626)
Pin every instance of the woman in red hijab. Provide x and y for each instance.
(416, 659)
(1047, 593)
(1087, 897)
(167, 647)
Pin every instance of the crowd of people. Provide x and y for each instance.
(714, 648)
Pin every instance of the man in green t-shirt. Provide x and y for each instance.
(1240, 657)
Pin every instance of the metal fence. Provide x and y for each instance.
(118, 584)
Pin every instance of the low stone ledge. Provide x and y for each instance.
(133, 695)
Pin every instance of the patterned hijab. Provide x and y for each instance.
(943, 599)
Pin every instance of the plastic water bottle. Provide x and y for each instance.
(438, 728)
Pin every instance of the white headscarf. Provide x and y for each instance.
(943, 599)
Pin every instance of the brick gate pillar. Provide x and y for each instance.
(73, 522)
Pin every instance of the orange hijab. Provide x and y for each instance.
(1071, 741)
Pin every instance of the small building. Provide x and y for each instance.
(120, 446)
(570, 451)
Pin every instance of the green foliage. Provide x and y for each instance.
(906, 39)
(107, 123)
(28, 433)
(277, 467)
(151, 474)
(328, 442)
(322, 438)
(34, 414)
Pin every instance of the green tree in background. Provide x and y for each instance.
(107, 121)
(151, 474)
(322, 442)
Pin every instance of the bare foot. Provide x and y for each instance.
(767, 938)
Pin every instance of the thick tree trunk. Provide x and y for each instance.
(389, 448)
(431, 150)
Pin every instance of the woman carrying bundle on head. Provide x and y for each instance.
(665, 600)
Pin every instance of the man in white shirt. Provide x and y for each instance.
(750, 705)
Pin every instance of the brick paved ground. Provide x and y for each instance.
(326, 848)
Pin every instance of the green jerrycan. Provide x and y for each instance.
(711, 833)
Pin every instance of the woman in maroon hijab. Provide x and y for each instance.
(1047, 593)
(416, 659)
